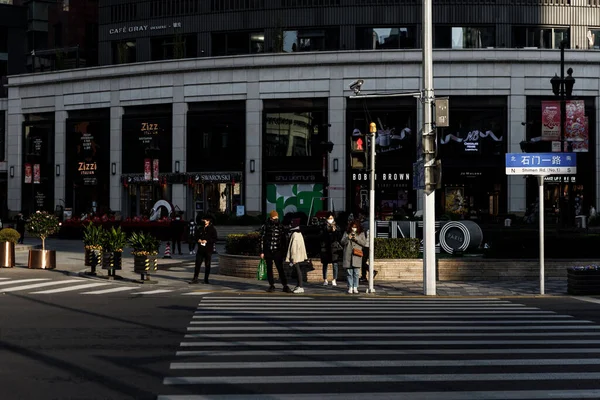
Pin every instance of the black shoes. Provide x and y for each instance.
(194, 281)
(287, 289)
(206, 282)
(271, 289)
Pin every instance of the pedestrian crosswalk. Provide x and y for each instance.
(45, 286)
(282, 347)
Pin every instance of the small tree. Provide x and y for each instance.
(41, 225)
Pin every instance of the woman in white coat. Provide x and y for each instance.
(295, 255)
(354, 242)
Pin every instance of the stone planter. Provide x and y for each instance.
(583, 282)
(145, 265)
(42, 259)
(93, 258)
(112, 261)
(7, 254)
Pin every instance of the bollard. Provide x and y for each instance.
(167, 250)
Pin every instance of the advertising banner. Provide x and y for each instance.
(155, 169)
(28, 173)
(550, 120)
(147, 169)
(576, 128)
(36, 173)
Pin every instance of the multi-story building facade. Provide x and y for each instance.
(232, 101)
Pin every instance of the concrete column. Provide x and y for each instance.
(597, 130)
(337, 135)
(253, 180)
(14, 148)
(179, 190)
(419, 131)
(116, 135)
(516, 133)
(60, 140)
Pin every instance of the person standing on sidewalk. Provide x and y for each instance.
(206, 237)
(272, 249)
(20, 227)
(296, 254)
(354, 242)
(331, 249)
(177, 227)
(192, 237)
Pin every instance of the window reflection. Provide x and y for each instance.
(465, 37)
(311, 40)
(538, 37)
(292, 134)
(233, 43)
(385, 38)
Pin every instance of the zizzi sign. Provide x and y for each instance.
(142, 28)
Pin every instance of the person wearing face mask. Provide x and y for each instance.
(273, 250)
(354, 242)
(331, 249)
(206, 237)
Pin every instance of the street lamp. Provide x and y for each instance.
(563, 88)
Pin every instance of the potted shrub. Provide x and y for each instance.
(145, 253)
(92, 242)
(113, 241)
(41, 225)
(8, 239)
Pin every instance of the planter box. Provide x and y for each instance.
(7, 254)
(112, 260)
(583, 282)
(42, 259)
(145, 264)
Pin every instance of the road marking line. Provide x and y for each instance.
(348, 328)
(357, 352)
(221, 323)
(383, 363)
(37, 285)
(72, 288)
(195, 293)
(391, 317)
(23, 281)
(113, 290)
(3, 279)
(242, 312)
(588, 299)
(474, 395)
(392, 378)
(341, 344)
(155, 291)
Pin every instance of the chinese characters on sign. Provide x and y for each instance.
(541, 164)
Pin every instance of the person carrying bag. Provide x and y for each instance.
(354, 241)
(296, 255)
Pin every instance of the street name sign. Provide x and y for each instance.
(541, 163)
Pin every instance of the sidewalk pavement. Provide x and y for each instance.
(178, 271)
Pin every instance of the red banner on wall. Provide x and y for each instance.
(550, 120)
(36, 173)
(28, 173)
(155, 170)
(582, 145)
(147, 169)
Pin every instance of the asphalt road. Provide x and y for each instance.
(242, 346)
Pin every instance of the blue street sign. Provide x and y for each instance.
(541, 163)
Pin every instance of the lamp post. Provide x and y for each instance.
(563, 88)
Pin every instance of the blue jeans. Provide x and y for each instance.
(353, 274)
(335, 270)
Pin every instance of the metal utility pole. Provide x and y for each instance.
(372, 132)
(429, 267)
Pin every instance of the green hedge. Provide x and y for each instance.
(243, 244)
(397, 248)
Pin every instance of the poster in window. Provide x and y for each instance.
(36, 173)
(576, 129)
(147, 169)
(582, 145)
(28, 173)
(155, 170)
(550, 120)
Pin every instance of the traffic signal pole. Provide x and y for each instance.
(429, 267)
(372, 132)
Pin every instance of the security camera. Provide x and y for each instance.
(356, 85)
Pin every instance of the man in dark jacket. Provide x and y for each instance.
(21, 227)
(272, 249)
(177, 228)
(206, 237)
(331, 249)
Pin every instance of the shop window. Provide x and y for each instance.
(124, 52)
(123, 12)
(385, 38)
(311, 40)
(173, 47)
(58, 37)
(296, 134)
(233, 43)
(231, 5)
(593, 38)
(539, 37)
(2, 134)
(3, 40)
(464, 37)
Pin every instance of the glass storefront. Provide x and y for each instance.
(472, 151)
(395, 145)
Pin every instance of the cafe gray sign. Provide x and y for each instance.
(142, 28)
(450, 236)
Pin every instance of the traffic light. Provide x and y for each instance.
(358, 151)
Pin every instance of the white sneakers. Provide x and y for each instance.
(353, 290)
(325, 283)
(350, 291)
(298, 290)
(333, 283)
